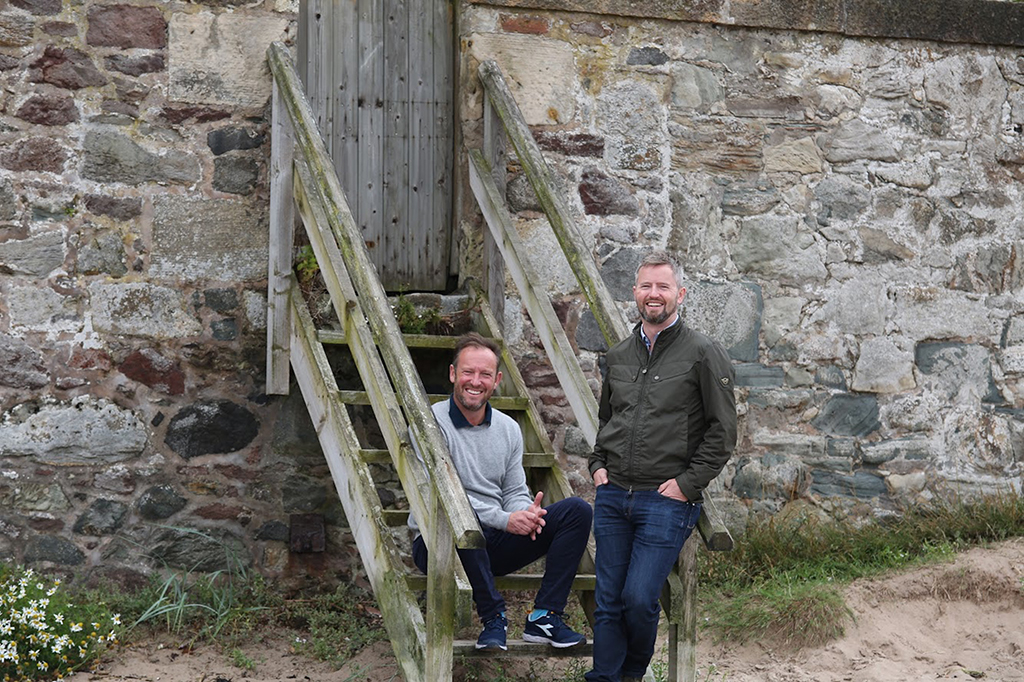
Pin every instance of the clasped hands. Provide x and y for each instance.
(529, 521)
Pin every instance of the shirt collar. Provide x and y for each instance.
(459, 420)
(649, 342)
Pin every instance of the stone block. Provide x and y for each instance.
(113, 157)
(752, 374)
(744, 200)
(646, 56)
(619, 272)
(21, 365)
(861, 484)
(141, 309)
(569, 143)
(211, 427)
(103, 254)
(602, 194)
(197, 551)
(235, 174)
(302, 494)
(84, 431)
(37, 256)
(149, 367)
(221, 58)
(541, 73)
(136, 65)
(66, 68)
(804, 447)
(45, 498)
(520, 195)
(729, 313)
(160, 502)
(782, 314)
(277, 531)
(39, 7)
(48, 110)
(588, 334)
(768, 477)
(845, 414)
(38, 309)
(126, 26)
(883, 367)
(840, 198)
(116, 479)
(103, 517)
(958, 371)
(860, 306)
(255, 306)
(16, 28)
(694, 88)
(793, 156)
(856, 140)
(831, 376)
(779, 247)
(216, 239)
(224, 330)
(53, 549)
(41, 154)
(631, 115)
(116, 208)
(899, 448)
(233, 138)
(533, 25)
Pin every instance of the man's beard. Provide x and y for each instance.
(654, 318)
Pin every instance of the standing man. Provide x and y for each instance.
(487, 449)
(667, 427)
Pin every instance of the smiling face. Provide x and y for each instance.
(475, 375)
(657, 295)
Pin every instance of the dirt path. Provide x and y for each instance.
(958, 621)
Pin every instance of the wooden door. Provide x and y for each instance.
(379, 76)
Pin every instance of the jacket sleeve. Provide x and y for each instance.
(719, 404)
(597, 458)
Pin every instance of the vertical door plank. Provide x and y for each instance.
(344, 144)
(443, 136)
(371, 124)
(396, 247)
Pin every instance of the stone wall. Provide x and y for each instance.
(133, 259)
(847, 210)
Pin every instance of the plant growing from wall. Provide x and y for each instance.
(45, 636)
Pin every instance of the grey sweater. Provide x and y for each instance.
(489, 459)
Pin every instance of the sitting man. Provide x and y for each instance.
(487, 450)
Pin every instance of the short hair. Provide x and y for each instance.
(474, 340)
(661, 258)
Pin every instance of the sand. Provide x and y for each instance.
(962, 620)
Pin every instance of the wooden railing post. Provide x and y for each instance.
(493, 265)
(441, 596)
(282, 227)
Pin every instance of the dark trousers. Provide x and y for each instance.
(563, 541)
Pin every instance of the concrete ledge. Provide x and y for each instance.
(985, 22)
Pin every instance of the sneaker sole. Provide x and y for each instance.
(538, 639)
(491, 647)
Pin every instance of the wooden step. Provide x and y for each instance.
(517, 647)
(505, 403)
(531, 460)
(516, 581)
(338, 338)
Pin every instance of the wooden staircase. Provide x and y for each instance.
(305, 190)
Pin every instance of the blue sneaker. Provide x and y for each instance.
(550, 629)
(493, 636)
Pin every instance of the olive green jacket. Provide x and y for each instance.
(666, 414)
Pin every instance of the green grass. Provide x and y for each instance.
(782, 582)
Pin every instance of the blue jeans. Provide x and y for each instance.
(639, 536)
(563, 541)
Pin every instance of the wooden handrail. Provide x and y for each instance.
(325, 189)
(712, 529)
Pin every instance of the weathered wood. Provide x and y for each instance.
(358, 495)
(466, 648)
(505, 403)
(545, 321)
(581, 260)
(493, 266)
(712, 528)
(337, 337)
(279, 275)
(514, 581)
(440, 597)
(373, 301)
(344, 143)
(682, 635)
(396, 232)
